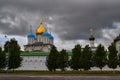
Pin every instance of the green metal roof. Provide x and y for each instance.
(42, 53)
(39, 53)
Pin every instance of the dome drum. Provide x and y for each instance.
(39, 33)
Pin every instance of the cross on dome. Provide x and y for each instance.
(41, 20)
(91, 31)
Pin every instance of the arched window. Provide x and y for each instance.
(40, 60)
(35, 60)
(25, 60)
(30, 60)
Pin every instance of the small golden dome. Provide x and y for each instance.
(40, 29)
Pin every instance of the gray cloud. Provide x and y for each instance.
(70, 19)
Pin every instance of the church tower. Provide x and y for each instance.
(31, 36)
(91, 39)
(117, 43)
(39, 31)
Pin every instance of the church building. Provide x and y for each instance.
(91, 40)
(41, 41)
(38, 47)
(117, 43)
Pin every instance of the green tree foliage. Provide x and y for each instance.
(63, 60)
(112, 57)
(74, 62)
(52, 59)
(6, 46)
(2, 59)
(85, 59)
(100, 57)
(14, 59)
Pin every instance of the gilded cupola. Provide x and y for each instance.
(40, 30)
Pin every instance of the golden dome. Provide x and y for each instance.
(40, 29)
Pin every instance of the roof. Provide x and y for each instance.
(40, 29)
(37, 44)
(46, 34)
(43, 53)
(51, 37)
(39, 53)
(92, 38)
(31, 35)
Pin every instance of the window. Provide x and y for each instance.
(35, 60)
(25, 60)
(30, 60)
(40, 60)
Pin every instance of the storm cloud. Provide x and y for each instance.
(68, 19)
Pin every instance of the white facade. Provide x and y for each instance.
(39, 63)
(31, 40)
(92, 43)
(117, 43)
(118, 46)
(39, 43)
(33, 63)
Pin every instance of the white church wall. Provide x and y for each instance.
(30, 40)
(50, 41)
(46, 48)
(33, 63)
(39, 38)
(91, 43)
(30, 48)
(118, 46)
(38, 63)
(43, 40)
(47, 40)
(37, 47)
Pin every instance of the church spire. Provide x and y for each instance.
(41, 20)
(91, 31)
(48, 29)
(30, 28)
(40, 30)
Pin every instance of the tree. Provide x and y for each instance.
(112, 57)
(2, 59)
(85, 59)
(100, 57)
(52, 59)
(119, 59)
(63, 60)
(6, 46)
(14, 59)
(74, 62)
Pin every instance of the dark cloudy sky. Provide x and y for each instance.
(68, 20)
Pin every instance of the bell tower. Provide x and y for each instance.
(91, 39)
